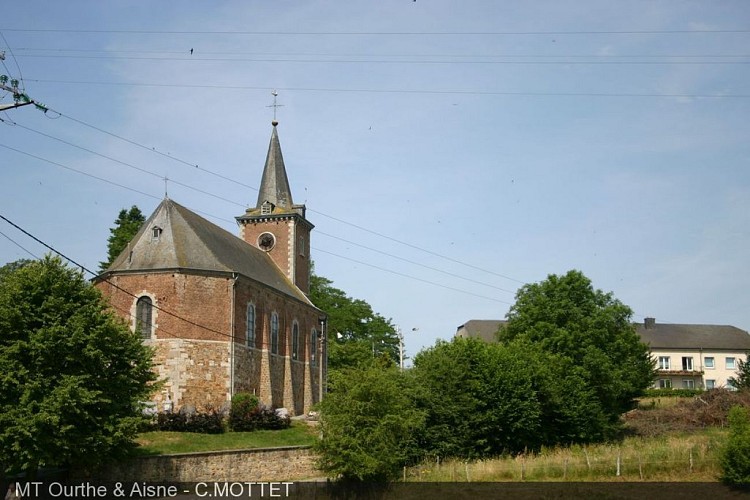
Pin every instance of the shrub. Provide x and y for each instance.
(247, 414)
(735, 459)
(209, 422)
(673, 393)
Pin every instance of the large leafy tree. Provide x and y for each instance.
(72, 375)
(127, 224)
(369, 424)
(591, 331)
(357, 334)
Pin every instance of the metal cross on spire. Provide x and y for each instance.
(274, 106)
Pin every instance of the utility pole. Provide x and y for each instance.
(19, 98)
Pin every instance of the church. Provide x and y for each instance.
(226, 314)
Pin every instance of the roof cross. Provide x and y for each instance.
(274, 105)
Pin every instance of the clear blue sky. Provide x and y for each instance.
(447, 151)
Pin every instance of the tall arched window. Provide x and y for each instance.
(313, 345)
(250, 327)
(143, 314)
(295, 340)
(274, 333)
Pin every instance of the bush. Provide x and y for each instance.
(247, 414)
(735, 459)
(673, 393)
(209, 422)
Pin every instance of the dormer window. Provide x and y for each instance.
(155, 233)
(266, 208)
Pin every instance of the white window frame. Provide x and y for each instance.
(688, 383)
(664, 363)
(665, 383)
(733, 365)
(687, 363)
(709, 364)
(710, 384)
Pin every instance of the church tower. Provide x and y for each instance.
(276, 225)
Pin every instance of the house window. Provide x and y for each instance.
(708, 362)
(687, 363)
(664, 362)
(155, 233)
(688, 384)
(313, 345)
(730, 386)
(274, 333)
(266, 208)
(710, 384)
(143, 314)
(730, 363)
(295, 340)
(665, 383)
(250, 326)
(302, 246)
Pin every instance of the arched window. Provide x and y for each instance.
(295, 340)
(313, 345)
(250, 328)
(274, 333)
(143, 314)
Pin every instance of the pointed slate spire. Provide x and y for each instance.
(274, 187)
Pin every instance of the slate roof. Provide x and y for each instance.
(483, 329)
(274, 185)
(190, 242)
(677, 336)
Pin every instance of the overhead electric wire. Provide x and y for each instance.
(379, 33)
(119, 288)
(393, 91)
(351, 224)
(224, 219)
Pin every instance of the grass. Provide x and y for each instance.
(679, 457)
(164, 443)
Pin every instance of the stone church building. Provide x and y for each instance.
(226, 314)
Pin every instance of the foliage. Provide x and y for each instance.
(11, 267)
(742, 380)
(127, 224)
(210, 421)
(357, 335)
(71, 373)
(672, 393)
(484, 399)
(369, 424)
(735, 459)
(592, 330)
(247, 414)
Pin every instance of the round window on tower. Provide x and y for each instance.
(266, 241)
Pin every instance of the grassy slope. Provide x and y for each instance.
(159, 443)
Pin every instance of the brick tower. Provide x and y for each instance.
(276, 225)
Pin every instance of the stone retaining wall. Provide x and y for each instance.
(292, 463)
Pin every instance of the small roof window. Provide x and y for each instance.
(156, 233)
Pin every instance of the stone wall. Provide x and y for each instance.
(293, 463)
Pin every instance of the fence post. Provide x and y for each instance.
(640, 467)
(618, 462)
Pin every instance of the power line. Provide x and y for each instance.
(390, 61)
(398, 91)
(380, 33)
(361, 228)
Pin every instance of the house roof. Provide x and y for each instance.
(484, 329)
(677, 336)
(274, 186)
(190, 242)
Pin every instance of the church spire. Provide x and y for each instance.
(274, 186)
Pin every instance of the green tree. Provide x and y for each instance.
(72, 375)
(126, 227)
(369, 424)
(12, 267)
(592, 330)
(484, 399)
(356, 334)
(735, 457)
(742, 380)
